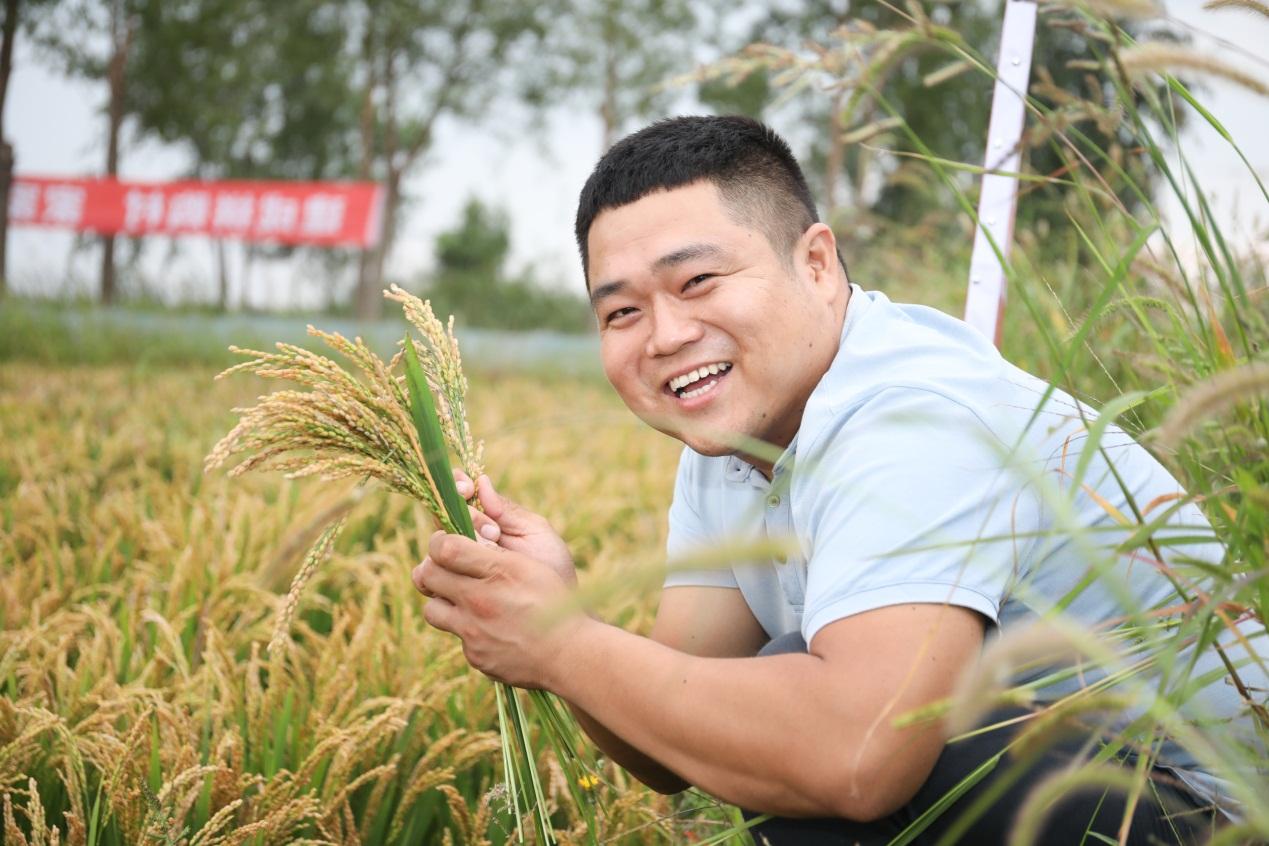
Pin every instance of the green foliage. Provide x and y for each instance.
(471, 281)
(215, 77)
(613, 56)
(1104, 304)
(72, 334)
(859, 185)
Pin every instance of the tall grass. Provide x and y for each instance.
(1111, 309)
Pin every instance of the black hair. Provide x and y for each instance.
(750, 165)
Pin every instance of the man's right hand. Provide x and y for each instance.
(514, 527)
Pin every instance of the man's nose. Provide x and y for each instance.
(674, 326)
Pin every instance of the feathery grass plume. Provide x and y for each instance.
(948, 71)
(1124, 9)
(1045, 643)
(1039, 803)
(1158, 57)
(1250, 5)
(871, 130)
(1211, 397)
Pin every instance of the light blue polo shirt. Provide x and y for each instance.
(927, 469)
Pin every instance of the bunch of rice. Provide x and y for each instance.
(398, 423)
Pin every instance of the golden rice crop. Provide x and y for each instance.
(400, 430)
(139, 596)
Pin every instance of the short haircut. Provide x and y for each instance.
(752, 167)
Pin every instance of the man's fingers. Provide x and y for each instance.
(440, 613)
(461, 555)
(486, 527)
(420, 584)
(492, 501)
(464, 484)
(433, 580)
(512, 518)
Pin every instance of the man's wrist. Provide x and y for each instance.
(575, 659)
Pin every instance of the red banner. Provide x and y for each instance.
(325, 213)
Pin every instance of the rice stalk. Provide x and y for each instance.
(320, 551)
(400, 430)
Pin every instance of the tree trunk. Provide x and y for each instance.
(247, 275)
(222, 273)
(370, 276)
(366, 283)
(121, 37)
(608, 106)
(836, 158)
(6, 150)
(370, 258)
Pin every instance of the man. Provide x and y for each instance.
(921, 508)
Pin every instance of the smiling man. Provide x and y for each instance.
(910, 465)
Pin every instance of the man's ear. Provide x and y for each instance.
(818, 249)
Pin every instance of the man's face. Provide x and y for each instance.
(706, 331)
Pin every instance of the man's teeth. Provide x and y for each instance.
(698, 391)
(699, 373)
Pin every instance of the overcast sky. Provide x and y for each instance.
(57, 128)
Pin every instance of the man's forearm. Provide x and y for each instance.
(732, 726)
(639, 765)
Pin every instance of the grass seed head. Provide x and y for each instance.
(1158, 57)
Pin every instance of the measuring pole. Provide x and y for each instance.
(997, 203)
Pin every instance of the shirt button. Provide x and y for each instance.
(773, 501)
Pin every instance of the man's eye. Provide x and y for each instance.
(618, 314)
(696, 280)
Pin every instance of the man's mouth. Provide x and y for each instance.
(699, 381)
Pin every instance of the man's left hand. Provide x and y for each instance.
(509, 610)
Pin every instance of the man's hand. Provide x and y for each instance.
(514, 527)
(508, 609)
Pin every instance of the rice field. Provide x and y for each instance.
(138, 702)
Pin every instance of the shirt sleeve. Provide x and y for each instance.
(911, 499)
(688, 532)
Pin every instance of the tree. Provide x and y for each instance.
(471, 280)
(215, 78)
(93, 40)
(615, 55)
(9, 29)
(417, 63)
(947, 110)
(470, 259)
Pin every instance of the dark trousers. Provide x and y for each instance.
(1165, 812)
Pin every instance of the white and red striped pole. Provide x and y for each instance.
(997, 203)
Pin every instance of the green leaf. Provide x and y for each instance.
(432, 439)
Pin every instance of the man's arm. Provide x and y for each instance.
(710, 622)
(797, 735)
